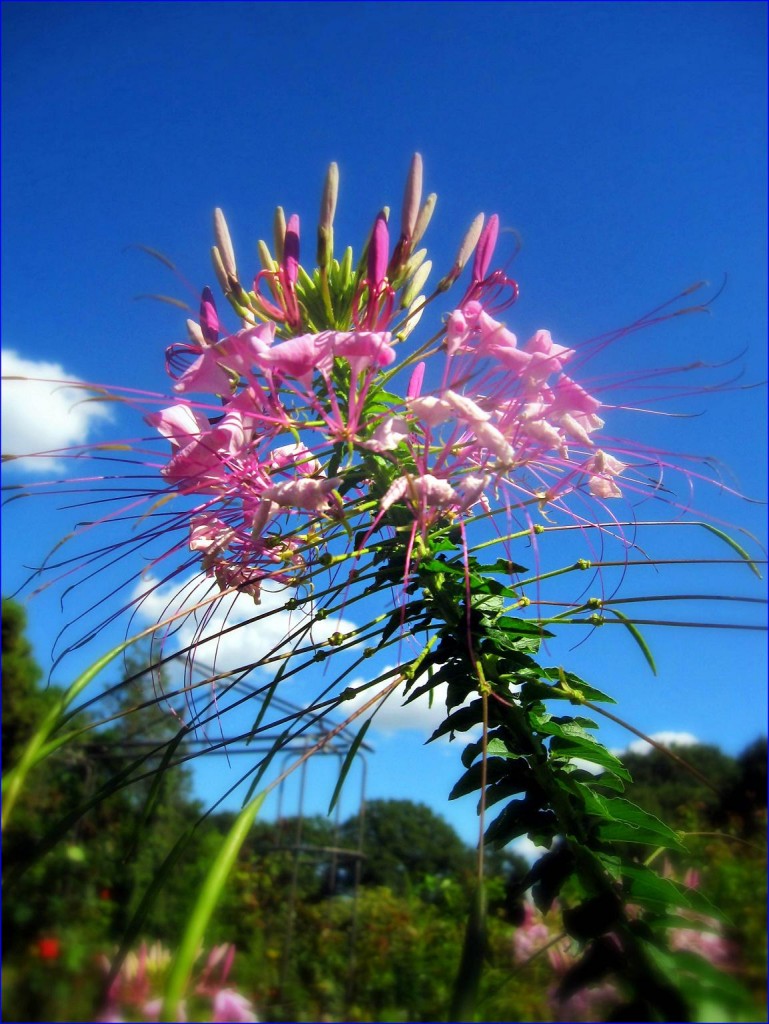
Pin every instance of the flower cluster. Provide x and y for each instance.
(135, 992)
(303, 444)
(574, 1002)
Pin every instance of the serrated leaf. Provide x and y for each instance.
(498, 748)
(461, 720)
(496, 770)
(594, 752)
(518, 818)
(544, 691)
(625, 822)
(566, 728)
(502, 565)
(649, 889)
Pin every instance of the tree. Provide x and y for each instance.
(403, 841)
(23, 702)
(678, 797)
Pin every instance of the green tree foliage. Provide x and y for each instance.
(310, 945)
(80, 851)
(404, 841)
(678, 797)
(24, 703)
(725, 828)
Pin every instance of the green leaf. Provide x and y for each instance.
(625, 822)
(648, 889)
(594, 917)
(189, 948)
(637, 636)
(566, 728)
(733, 545)
(38, 747)
(712, 994)
(348, 761)
(518, 818)
(513, 774)
(568, 749)
(467, 981)
(581, 689)
(461, 720)
(548, 875)
(503, 566)
(498, 748)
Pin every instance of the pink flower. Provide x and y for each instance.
(530, 936)
(231, 1006)
(603, 468)
(426, 490)
(546, 356)
(206, 374)
(388, 435)
(362, 349)
(307, 493)
(298, 357)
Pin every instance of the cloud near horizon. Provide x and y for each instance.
(667, 737)
(39, 415)
(248, 644)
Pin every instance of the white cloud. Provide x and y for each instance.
(394, 716)
(668, 738)
(41, 416)
(587, 766)
(525, 848)
(251, 642)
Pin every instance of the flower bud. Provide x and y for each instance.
(290, 258)
(224, 243)
(425, 215)
(485, 250)
(412, 318)
(416, 284)
(327, 211)
(412, 198)
(414, 263)
(279, 232)
(466, 248)
(265, 257)
(377, 251)
(209, 320)
(195, 333)
(221, 273)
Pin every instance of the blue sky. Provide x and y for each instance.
(624, 142)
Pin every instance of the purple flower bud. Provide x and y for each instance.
(291, 249)
(485, 250)
(377, 252)
(209, 321)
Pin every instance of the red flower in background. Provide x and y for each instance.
(48, 947)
